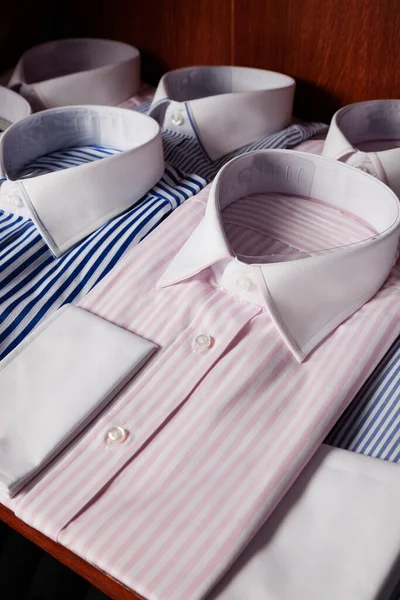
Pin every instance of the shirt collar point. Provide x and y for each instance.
(163, 283)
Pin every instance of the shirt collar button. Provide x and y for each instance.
(243, 283)
(177, 119)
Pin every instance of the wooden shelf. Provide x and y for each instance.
(108, 585)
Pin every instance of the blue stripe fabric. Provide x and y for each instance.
(143, 107)
(34, 283)
(371, 424)
(188, 155)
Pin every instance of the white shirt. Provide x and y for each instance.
(77, 71)
(366, 135)
(223, 107)
(69, 204)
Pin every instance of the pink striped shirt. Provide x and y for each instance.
(216, 436)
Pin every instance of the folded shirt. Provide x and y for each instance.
(55, 382)
(334, 536)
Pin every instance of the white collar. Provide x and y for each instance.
(68, 205)
(309, 297)
(364, 123)
(13, 108)
(77, 71)
(225, 108)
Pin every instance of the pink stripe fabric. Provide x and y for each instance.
(314, 146)
(145, 94)
(301, 226)
(216, 436)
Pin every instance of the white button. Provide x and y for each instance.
(15, 199)
(364, 169)
(177, 119)
(244, 283)
(116, 435)
(203, 341)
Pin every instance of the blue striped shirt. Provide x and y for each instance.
(371, 424)
(34, 283)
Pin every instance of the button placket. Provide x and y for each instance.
(133, 412)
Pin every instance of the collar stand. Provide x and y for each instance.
(224, 107)
(369, 121)
(306, 297)
(67, 127)
(299, 174)
(195, 83)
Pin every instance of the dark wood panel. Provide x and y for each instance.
(24, 23)
(339, 51)
(169, 33)
(101, 580)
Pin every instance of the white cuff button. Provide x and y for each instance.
(244, 283)
(116, 435)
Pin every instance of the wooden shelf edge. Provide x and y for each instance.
(108, 585)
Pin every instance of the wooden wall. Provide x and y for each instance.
(24, 23)
(339, 51)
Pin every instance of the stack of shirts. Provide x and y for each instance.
(163, 405)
